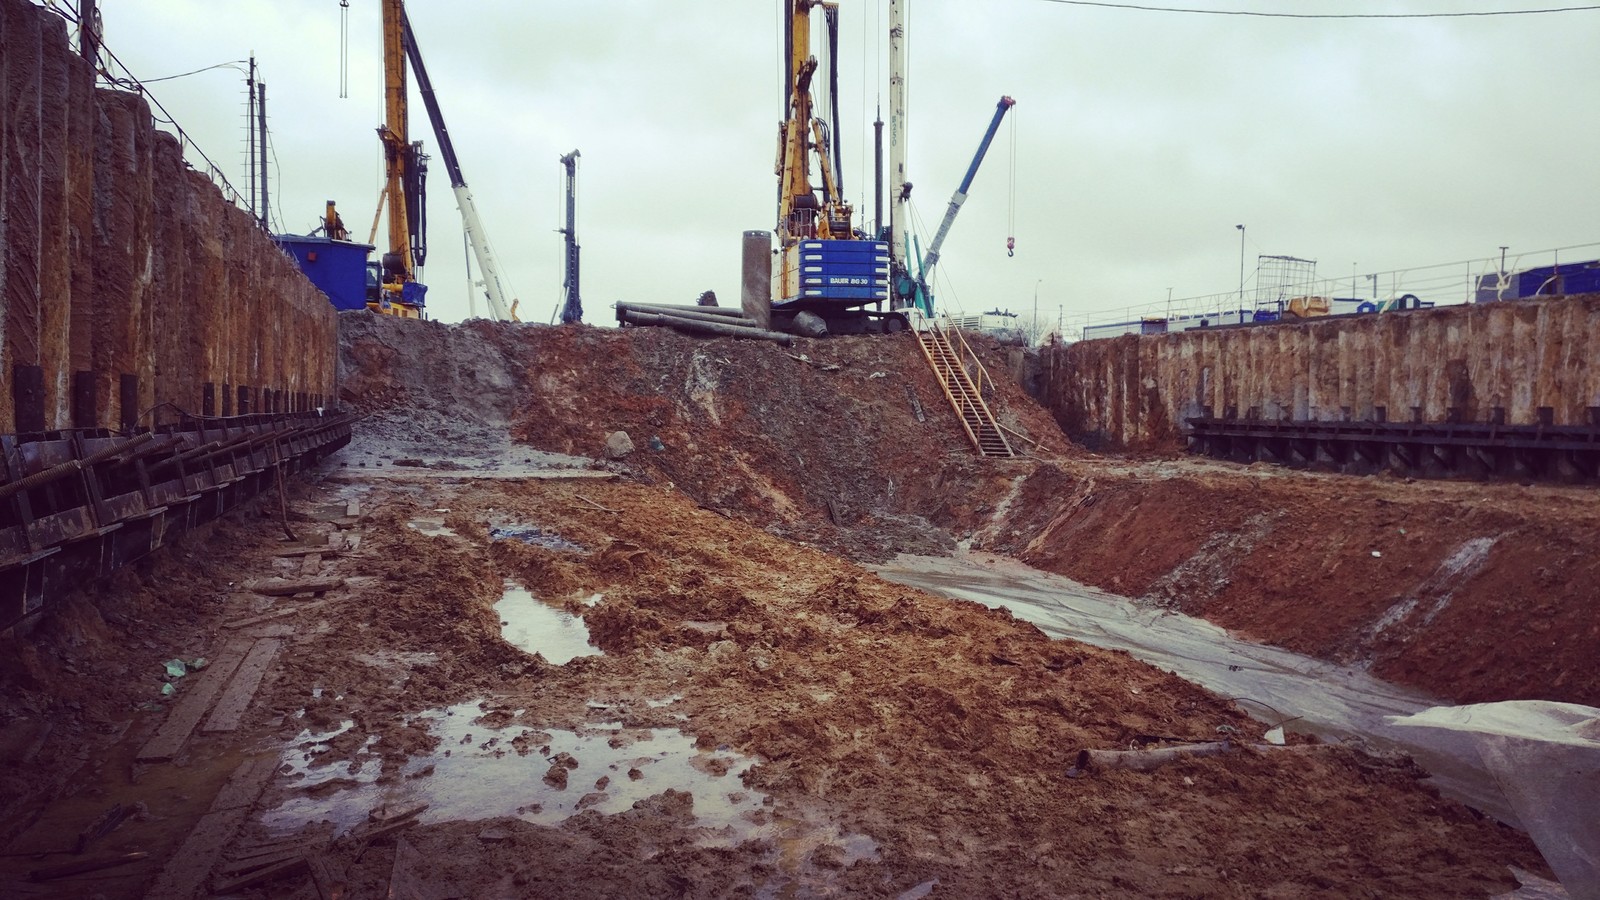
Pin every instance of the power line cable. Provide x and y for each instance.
(1138, 7)
(232, 64)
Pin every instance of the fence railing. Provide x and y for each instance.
(1441, 284)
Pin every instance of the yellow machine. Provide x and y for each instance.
(399, 292)
(1309, 307)
(801, 215)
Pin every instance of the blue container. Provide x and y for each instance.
(336, 268)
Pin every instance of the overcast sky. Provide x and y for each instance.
(1141, 138)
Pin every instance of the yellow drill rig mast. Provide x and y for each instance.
(406, 170)
(826, 267)
(800, 215)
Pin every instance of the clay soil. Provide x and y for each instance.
(871, 739)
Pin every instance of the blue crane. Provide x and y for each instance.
(915, 290)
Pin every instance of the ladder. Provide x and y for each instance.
(965, 395)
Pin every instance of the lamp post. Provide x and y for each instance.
(1241, 265)
(1036, 332)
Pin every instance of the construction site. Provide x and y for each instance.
(819, 593)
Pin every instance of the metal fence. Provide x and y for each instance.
(1441, 284)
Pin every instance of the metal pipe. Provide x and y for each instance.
(721, 311)
(694, 315)
(712, 328)
(58, 472)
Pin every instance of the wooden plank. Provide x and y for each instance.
(276, 614)
(326, 550)
(180, 722)
(236, 699)
(66, 870)
(282, 587)
(186, 871)
(406, 881)
(327, 878)
(311, 565)
(314, 837)
(247, 783)
(353, 509)
(291, 866)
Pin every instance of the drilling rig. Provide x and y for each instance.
(826, 266)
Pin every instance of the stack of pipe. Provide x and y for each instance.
(713, 320)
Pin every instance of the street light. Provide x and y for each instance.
(1241, 265)
(1036, 334)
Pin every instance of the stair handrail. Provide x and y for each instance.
(964, 352)
(970, 391)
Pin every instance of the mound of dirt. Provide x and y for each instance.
(846, 443)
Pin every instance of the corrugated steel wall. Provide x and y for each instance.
(1518, 356)
(128, 281)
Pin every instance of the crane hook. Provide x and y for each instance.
(1011, 246)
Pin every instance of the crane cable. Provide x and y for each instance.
(344, 49)
(1011, 205)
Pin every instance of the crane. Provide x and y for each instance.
(915, 291)
(493, 284)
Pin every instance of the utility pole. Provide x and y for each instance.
(877, 154)
(89, 32)
(1241, 265)
(572, 308)
(261, 154)
(250, 134)
(1169, 304)
(1036, 332)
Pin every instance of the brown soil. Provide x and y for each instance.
(940, 731)
(1474, 592)
(898, 739)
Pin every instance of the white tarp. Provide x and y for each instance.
(1546, 758)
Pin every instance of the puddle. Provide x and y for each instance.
(479, 772)
(1331, 701)
(534, 626)
(432, 527)
(533, 534)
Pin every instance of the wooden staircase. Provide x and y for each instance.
(965, 394)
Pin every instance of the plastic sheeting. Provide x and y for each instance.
(1546, 758)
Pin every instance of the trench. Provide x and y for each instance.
(1302, 693)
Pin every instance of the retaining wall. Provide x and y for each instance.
(128, 280)
(1137, 391)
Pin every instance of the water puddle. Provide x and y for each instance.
(535, 536)
(545, 776)
(1331, 701)
(535, 626)
(432, 527)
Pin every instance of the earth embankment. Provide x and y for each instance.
(1470, 591)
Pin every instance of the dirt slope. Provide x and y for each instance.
(1475, 592)
(820, 442)
(1479, 592)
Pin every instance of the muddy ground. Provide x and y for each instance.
(756, 716)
